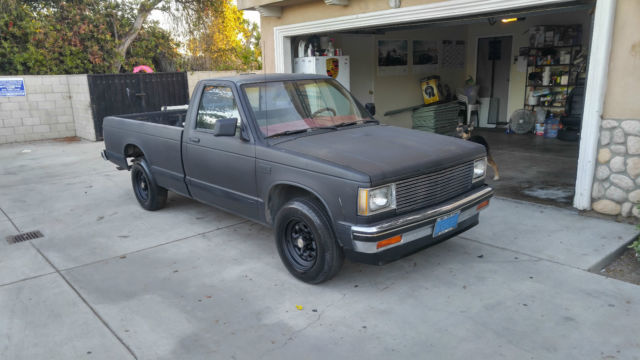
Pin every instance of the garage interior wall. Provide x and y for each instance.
(394, 92)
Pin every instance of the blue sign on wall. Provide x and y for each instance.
(12, 87)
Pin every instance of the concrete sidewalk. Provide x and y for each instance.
(112, 281)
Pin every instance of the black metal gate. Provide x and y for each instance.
(117, 94)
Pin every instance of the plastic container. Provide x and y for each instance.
(551, 125)
(540, 118)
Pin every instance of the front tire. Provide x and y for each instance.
(150, 195)
(306, 242)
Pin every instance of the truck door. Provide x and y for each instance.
(220, 170)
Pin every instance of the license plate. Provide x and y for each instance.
(446, 223)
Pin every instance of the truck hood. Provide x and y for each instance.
(386, 153)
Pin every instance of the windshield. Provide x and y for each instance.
(286, 106)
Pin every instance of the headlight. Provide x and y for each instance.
(479, 168)
(374, 200)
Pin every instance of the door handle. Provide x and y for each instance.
(194, 139)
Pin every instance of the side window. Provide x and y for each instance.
(217, 102)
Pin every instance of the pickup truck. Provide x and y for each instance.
(300, 154)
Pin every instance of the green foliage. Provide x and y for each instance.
(153, 47)
(226, 41)
(67, 39)
(77, 36)
(636, 247)
(88, 36)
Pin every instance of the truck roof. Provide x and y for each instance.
(259, 78)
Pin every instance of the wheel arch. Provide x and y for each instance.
(132, 150)
(282, 192)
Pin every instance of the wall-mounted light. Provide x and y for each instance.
(510, 20)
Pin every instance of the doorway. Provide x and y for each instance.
(492, 76)
(362, 48)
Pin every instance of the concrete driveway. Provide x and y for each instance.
(111, 281)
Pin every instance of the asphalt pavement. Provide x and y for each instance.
(109, 280)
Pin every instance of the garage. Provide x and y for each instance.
(508, 73)
(512, 50)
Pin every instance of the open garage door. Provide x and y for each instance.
(545, 56)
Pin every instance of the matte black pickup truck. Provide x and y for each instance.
(299, 153)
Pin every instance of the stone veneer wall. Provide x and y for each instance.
(616, 187)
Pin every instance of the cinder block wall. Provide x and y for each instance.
(44, 113)
(58, 106)
(81, 106)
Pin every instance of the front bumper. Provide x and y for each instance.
(415, 228)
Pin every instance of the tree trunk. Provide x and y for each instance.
(143, 12)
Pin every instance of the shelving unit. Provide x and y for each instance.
(537, 61)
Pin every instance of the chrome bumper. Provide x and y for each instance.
(417, 225)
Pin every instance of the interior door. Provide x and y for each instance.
(220, 170)
(492, 75)
(361, 50)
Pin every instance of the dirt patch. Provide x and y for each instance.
(625, 268)
(68, 139)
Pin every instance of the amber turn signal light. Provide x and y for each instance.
(482, 205)
(390, 241)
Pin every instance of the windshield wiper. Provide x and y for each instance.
(370, 121)
(288, 132)
(291, 132)
(347, 124)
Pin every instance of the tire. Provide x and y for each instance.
(306, 242)
(149, 194)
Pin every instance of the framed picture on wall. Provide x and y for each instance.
(426, 56)
(393, 57)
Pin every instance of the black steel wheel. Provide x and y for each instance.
(150, 195)
(306, 242)
(300, 246)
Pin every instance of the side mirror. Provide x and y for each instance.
(225, 127)
(371, 108)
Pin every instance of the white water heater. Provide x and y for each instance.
(335, 66)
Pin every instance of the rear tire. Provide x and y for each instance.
(306, 242)
(149, 194)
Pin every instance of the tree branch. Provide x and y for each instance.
(145, 8)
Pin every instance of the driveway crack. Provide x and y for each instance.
(93, 310)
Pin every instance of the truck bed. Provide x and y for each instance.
(169, 117)
(157, 135)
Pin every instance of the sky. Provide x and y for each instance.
(252, 16)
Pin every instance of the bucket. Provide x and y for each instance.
(430, 89)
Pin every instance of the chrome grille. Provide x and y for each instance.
(430, 189)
